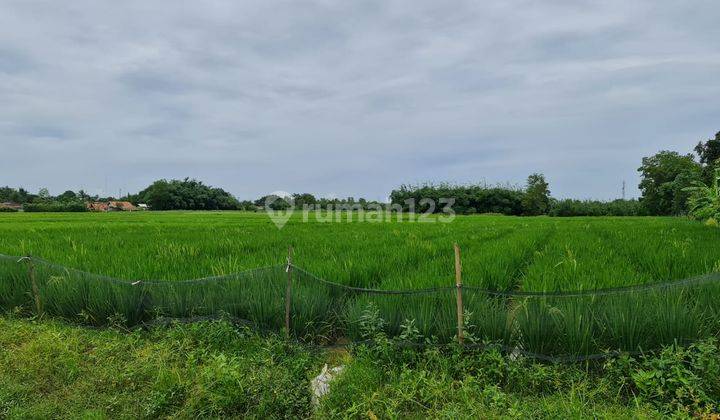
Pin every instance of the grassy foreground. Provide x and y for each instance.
(53, 370)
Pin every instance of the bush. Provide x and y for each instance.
(7, 210)
(675, 380)
(470, 199)
(55, 206)
(570, 208)
(394, 381)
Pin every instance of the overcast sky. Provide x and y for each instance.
(351, 98)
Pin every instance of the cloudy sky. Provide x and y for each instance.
(351, 98)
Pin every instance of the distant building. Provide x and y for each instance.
(121, 206)
(112, 206)
(143, 206)
(97, 206)
(11, 205)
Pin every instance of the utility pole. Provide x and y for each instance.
(623, 190)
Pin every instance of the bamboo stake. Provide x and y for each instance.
(35, 289)
(288, 291)
(458, 287)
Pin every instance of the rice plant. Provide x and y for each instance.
(138, 266)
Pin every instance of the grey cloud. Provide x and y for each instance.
(352, 98)
(14, 62)
(147, 82)
(570, 45)
(38, 131)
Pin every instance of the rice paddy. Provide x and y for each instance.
(501, 254)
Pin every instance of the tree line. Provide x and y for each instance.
(533, 199)
(68, 201)
(186, 194)
(672, 183)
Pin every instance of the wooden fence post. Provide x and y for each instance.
(288, 291)
(35, 289)
(458, 288)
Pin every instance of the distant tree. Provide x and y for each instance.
(19, 196)
(304, 199)
(6, 193)
(664, 176)
(680, 195)
(274, 202)
(570, 207)
(536, 200)
(67, 196)
(188, 194)
(247, 205)
(44, 195)
(709, 155)
(467, 199)
(159, 196)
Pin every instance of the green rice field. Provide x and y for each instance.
(499, 254)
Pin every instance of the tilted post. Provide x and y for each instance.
(288, 291)
(458, 288)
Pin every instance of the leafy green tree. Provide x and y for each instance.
(5, 193)
(44, 195)
(247, 205)
(705, 199)
(188, 194)
(274, 202)
(536, 200)
(82, 195)
(304, 199)
(664, 176)
(709, 154)
(468, 199)
(19, 196)
(158, 196)
(67, 196)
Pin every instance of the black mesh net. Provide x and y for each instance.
(563, 325)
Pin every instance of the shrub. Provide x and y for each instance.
(468, 199)
(55, 206)
(570, 208)
(392, 381)
(7, 210)
(677, 379)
